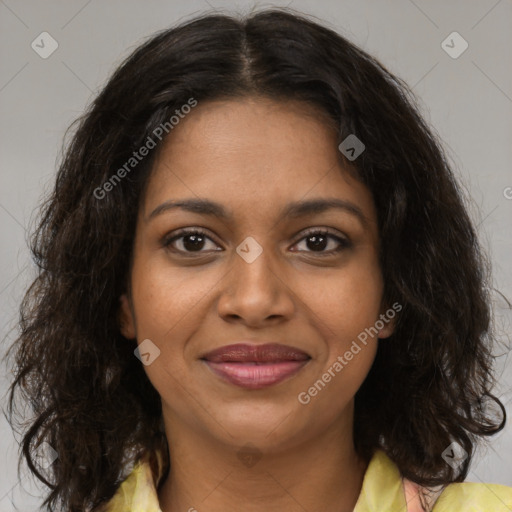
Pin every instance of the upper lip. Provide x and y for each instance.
(244, 353)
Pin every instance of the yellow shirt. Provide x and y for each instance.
(382, 491)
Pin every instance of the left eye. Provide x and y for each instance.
(195, 240)
(319, 240)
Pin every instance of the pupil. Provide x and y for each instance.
(197, 242)
(319, 242)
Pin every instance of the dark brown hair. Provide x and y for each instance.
(431, 380)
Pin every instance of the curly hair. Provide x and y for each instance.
(431, 381)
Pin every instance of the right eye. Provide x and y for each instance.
(188, 241)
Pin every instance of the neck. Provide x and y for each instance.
(319, 474)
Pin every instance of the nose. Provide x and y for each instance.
(255, 291)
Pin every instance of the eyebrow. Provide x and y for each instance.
(292, 210)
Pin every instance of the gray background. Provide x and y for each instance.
(468, 100)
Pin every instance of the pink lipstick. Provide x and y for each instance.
(255, 366)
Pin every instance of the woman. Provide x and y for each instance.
(259, 288)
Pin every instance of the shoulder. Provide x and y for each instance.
(138, 491)
(474, 497)
(455, 497)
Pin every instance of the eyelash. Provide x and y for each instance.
(344, 243)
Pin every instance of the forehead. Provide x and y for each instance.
(253, 154)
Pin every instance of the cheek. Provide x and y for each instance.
(346, 302)
(164, 297)
(168, 304)
(346, 311)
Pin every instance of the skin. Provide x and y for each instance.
(254, 156)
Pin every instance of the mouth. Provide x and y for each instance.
(255, 366)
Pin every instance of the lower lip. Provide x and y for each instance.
(256, 376)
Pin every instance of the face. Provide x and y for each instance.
(309, 279)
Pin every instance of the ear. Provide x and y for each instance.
(388, 329)
(387, 321)
(126, 318)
